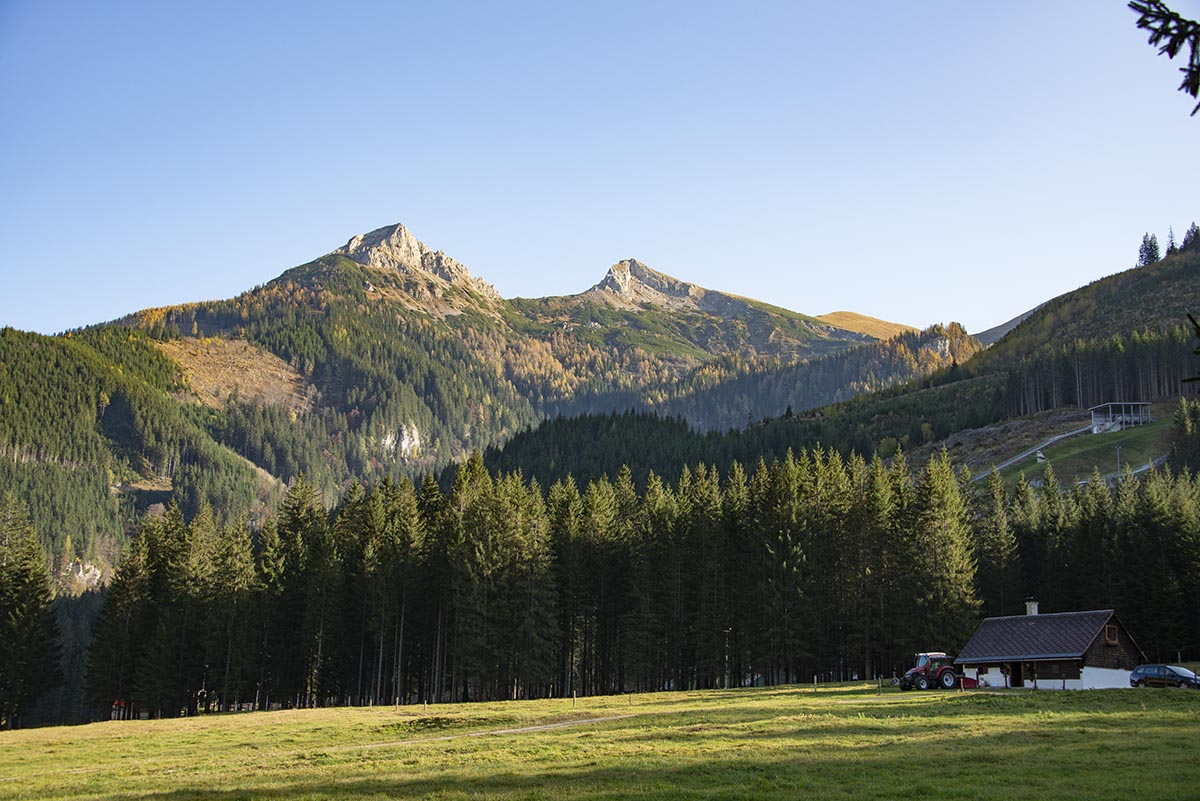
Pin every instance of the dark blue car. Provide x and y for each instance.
(1163, 676)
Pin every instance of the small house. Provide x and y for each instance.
(1115, 416)
(1063, 650)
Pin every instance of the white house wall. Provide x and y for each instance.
(1098, 678)
(1091, 678)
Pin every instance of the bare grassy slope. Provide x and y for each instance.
(862, 324)
(215, 368)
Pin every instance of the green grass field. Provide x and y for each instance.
(778, 743)
(1074, 459)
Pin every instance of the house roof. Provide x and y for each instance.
(1060, 635)
(1118, 403)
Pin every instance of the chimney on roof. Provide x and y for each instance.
(1031, 606)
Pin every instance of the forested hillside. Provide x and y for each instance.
(90, 435)
(1125, 337)
(732, 393)
(1153, 297)
(592, 446)
(383, 358)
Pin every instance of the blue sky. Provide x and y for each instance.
(920, 162)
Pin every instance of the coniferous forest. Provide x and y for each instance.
(811, 565)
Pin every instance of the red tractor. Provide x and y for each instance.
(934, 669)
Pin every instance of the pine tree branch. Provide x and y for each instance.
(1170, 32)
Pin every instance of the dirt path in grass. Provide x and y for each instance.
(489, 733)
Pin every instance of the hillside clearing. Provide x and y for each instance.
(846, 742)
(1077, 458)
(1073, 459)
(217, 368)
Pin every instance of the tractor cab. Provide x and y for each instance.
(925, 660)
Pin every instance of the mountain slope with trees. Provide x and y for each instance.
(1125, 337)
(382, 358)
(385, 358)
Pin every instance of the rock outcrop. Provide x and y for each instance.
(630, 284)
(393, 247)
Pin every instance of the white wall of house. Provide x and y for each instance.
(1098, 678)
(1090, 678)
(992, 678)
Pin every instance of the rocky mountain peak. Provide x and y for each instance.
(393, 247)
(630, 283)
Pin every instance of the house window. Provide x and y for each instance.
(1110, 634)
(1058, 670)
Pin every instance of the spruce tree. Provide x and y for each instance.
(121, 633)
(1025, 520)
(269, 579)
(1191, 238)
(565, 510)
(739, 573)
(1148, 252)
(947, 566)
(395, 587)
(293, 647)
(28, 630)
(997, 581)
(233, 616)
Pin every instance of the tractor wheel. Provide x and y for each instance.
(922, 683)
(948, 680)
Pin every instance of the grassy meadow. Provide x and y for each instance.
(1075, 459)
(777, 743)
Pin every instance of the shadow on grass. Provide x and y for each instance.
(1009, 745)
(1031, 754)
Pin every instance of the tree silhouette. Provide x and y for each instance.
(1148, 253)
(1170, 32)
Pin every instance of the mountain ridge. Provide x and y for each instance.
(628, 285)
(393, 247)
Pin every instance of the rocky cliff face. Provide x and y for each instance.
(395, 248)
(630, 284)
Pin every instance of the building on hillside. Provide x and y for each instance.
(1115, 416)
(1063, 650)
